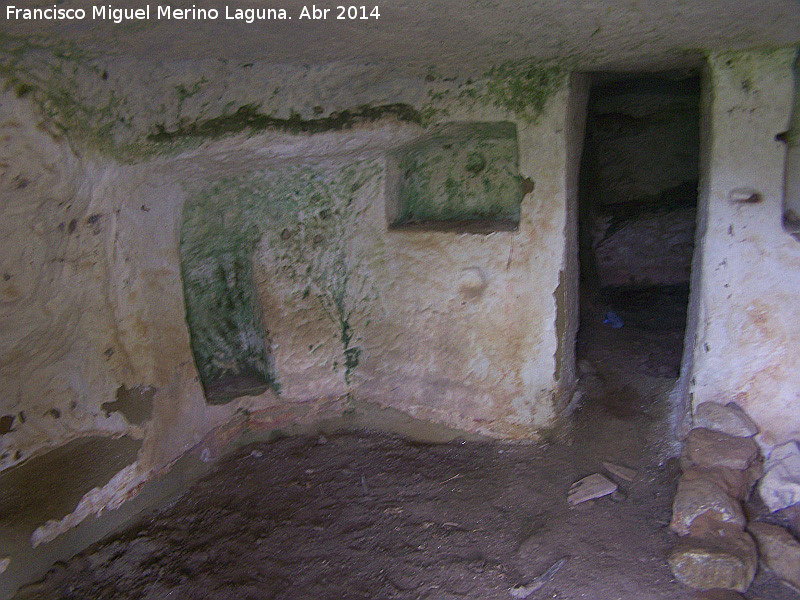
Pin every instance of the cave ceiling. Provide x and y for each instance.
(597, 34)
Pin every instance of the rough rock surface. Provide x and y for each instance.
(589, 488)
(780, 486)
(367, 517)
(730, 419)
(735, 483)
(707, 448)
(779, 551)
(747, 327)
(696, 497)
(663, 242)
(715, 555)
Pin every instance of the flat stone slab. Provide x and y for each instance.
(730, 419)
(779, 551)
(707, 448)
(725, 557)
(696, 497)
(589, 488)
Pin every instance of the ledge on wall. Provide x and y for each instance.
(477, 226)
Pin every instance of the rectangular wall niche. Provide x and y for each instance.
(461, 177)
(227, 337)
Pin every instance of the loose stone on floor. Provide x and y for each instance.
(719, 552)
(779, 551)
(715, 555)
(589, 488)
(697, 497)
(730, 419)
(619, 471)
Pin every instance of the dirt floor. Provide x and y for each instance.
(346, 515)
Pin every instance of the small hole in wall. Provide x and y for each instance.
(6, 423)
(745, 195)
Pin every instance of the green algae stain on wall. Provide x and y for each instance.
(460, 172)
(523, 87)
(249, 117)
(108, 105)
(312, 245)
(228, 340)
(49, 74)
(519, 87)
(301, 216)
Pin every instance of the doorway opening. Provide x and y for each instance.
(637, 206)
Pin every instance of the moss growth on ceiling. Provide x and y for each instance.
(132, 113)
(48, 75)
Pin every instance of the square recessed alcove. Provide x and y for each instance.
(461, 177)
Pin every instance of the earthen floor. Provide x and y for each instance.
(359, 514)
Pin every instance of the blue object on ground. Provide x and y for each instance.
(613, 319)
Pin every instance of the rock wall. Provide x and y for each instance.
(747, 271)
(651, 248)
(640, 175)
(149, 251)
(59, 335)
(141, 204)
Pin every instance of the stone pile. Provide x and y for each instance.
(779, 551)
(718, 550)
(721, 463)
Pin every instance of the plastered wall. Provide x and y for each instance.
(468, 330)
(747, 268)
